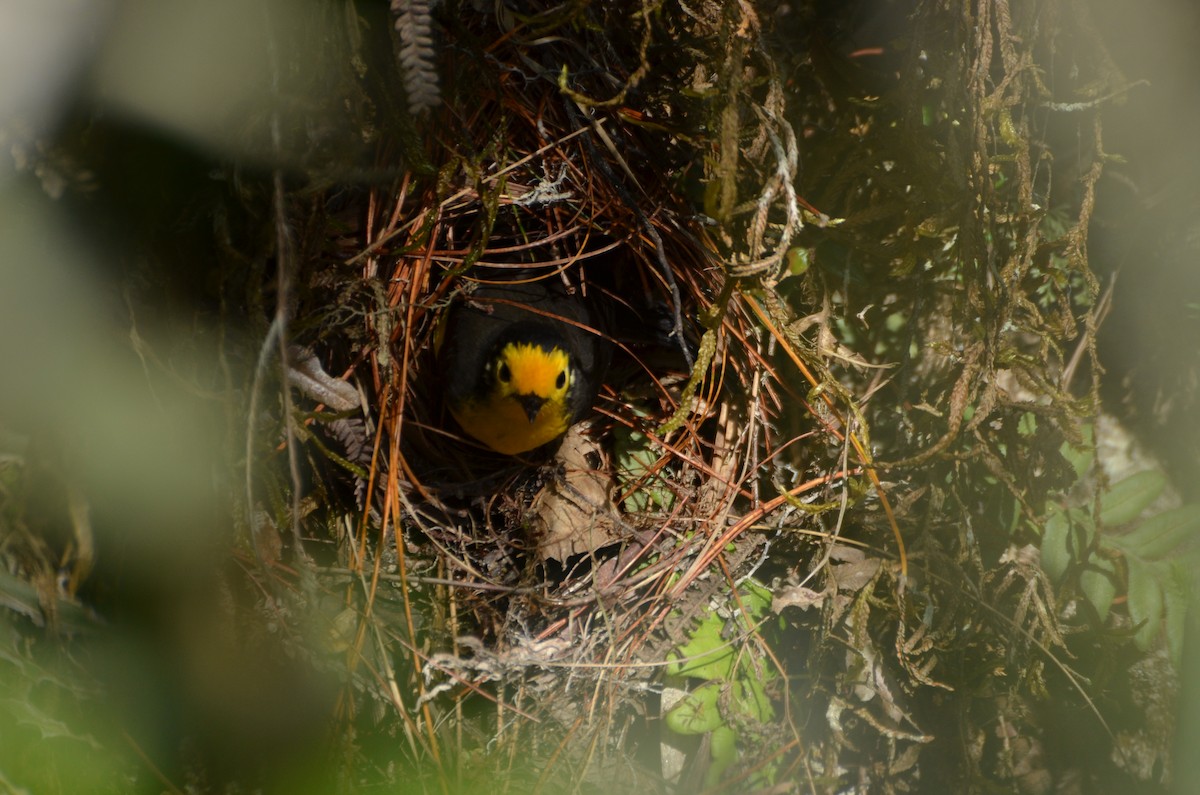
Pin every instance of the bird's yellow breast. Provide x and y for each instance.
(501, 423)
(524, 405)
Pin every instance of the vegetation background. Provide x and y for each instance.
(925, 521)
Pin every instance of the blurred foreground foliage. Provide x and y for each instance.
(873, 219)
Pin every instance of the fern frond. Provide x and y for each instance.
(417, 66)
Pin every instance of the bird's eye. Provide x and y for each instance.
(504, 374)
(561, 381)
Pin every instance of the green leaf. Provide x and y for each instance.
(1081, 458)
(1055, 554)
(1159, 535)
(756, 598)
(697, 712)
(1064, 534)
(1176, 592)
(1145, 600)
(1128, 498)
(723, 748)
(1099, 584)
(797, 260)
(750, 699)
(706, 655)
(636, 460)
(1027, 424)
(1083, 531)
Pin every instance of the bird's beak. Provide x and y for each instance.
(532, 405)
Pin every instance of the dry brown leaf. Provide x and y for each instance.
(575, 514)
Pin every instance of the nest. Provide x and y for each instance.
(593, 566)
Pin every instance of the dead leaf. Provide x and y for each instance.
(574, 514)
(797, 596)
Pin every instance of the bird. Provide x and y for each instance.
(523, 361)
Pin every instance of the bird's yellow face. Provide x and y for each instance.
(525, 403)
